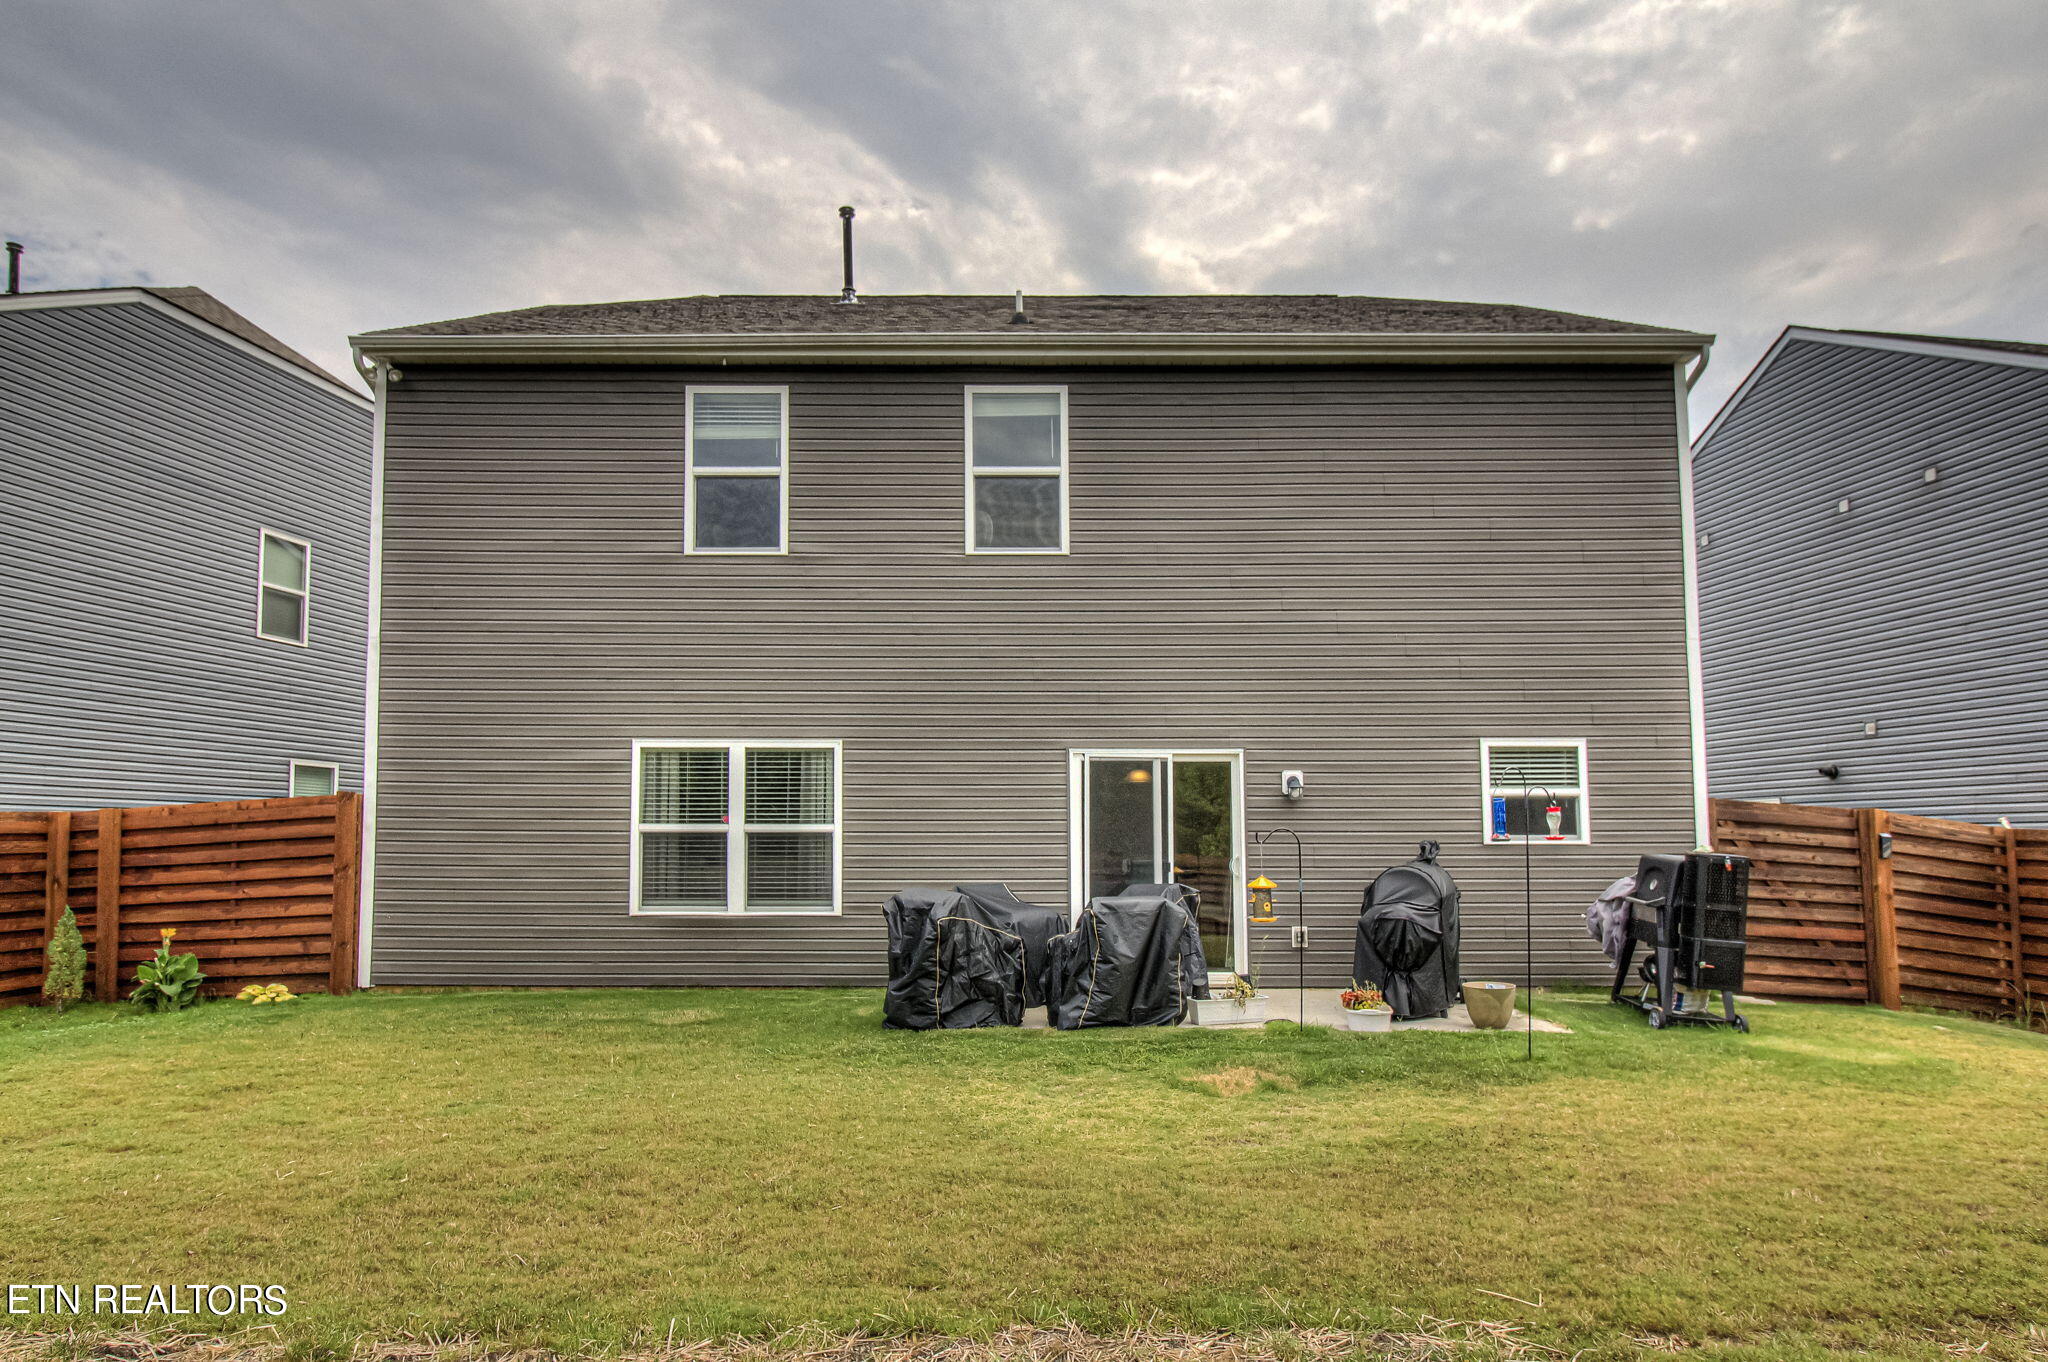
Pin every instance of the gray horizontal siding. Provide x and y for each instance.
(1356, 572)
(1923, 609)
(140, 459)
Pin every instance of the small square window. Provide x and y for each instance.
(310, 778)
(1536, 791)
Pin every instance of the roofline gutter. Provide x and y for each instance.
(1042, 348)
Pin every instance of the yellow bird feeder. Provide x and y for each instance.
(1261, 906)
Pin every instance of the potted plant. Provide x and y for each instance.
(1237, 1003)
(1365, 1009)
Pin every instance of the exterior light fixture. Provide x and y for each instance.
(1291, 784)
(1261, 905)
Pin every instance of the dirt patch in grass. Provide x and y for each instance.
(1242, 1079)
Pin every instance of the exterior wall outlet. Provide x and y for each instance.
(1300, 937)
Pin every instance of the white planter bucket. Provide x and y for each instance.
(1228, 1011)
(1372, 1019)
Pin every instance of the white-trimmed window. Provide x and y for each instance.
(284, 587)
(313, 778)
(1528, 777)
(736, 470)
(736, 827)
(1016, 470)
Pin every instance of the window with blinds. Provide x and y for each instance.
(736, 828)
(1536, 791)
(736, 470)
(1016, 470)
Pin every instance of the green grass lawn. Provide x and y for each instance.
(576, 1168)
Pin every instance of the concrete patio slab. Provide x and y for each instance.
(1319, 1008)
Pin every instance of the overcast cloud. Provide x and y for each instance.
(1730, 167)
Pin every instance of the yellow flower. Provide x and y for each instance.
(170, 932)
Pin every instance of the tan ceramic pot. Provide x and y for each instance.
(1491, 1005)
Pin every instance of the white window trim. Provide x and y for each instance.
(971, 472)
(305, 596)
(1487, 790)
(736, 829)
(295, 765)
(1077, 849)
(781, 470)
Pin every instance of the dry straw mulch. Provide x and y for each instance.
(1428, 1340)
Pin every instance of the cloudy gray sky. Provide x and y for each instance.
(1727, 165)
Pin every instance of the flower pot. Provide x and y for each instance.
(1490, 1005)
(1228, 1011)
(1369, 1019)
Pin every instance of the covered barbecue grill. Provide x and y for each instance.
(954, 962)
(1132, 960)
(1407, 941)
(1035, 926)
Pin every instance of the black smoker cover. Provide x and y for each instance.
(1131, 960)
(950, 965)
(1408, 937)
(1035, 925)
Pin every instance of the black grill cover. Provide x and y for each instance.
(1036, 927)
(1408, 937)
(1131, 960)
(952, 964)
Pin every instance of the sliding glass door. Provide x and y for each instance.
(1160, 818)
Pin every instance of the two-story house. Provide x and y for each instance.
(706, 623)
(1873, 515)
(187, 508)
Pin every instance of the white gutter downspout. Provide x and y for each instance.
(368, 893)
(1695, 672)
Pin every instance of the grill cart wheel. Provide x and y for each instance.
(1741, 1023)
(1656, 1016)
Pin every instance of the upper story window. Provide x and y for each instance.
(284, 587)
(1526, 780)
(1016, 470)
(736, 470)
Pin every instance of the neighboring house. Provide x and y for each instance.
(1873, 541)
(709, 622)
(187, 510)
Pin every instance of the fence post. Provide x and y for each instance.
(56, 878)
(1880, 910)
(106, 932)
(348, 874)
(2015, 924)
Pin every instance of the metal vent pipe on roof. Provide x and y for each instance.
(1017, 317)
(846, 294)
(14, 267)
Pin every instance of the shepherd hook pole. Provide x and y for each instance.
(1529, 907)
(1301, 925)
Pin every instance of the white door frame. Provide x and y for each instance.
(1077, 821)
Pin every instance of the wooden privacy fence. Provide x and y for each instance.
(261, 890)
(1856, 905)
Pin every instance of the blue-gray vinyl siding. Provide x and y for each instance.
(138, 459)
(1923, 608)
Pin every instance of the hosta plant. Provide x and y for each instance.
(166, 982)
(266, 993)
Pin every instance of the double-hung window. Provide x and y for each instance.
(736, 470)
(1529, 784)
(284, 572)
(1016, 470)
(736, 827)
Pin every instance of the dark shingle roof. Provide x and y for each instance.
(928, 314)
(206, 307)
(2009, 347)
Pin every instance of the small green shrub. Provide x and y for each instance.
(168, 982)
(64, 964)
